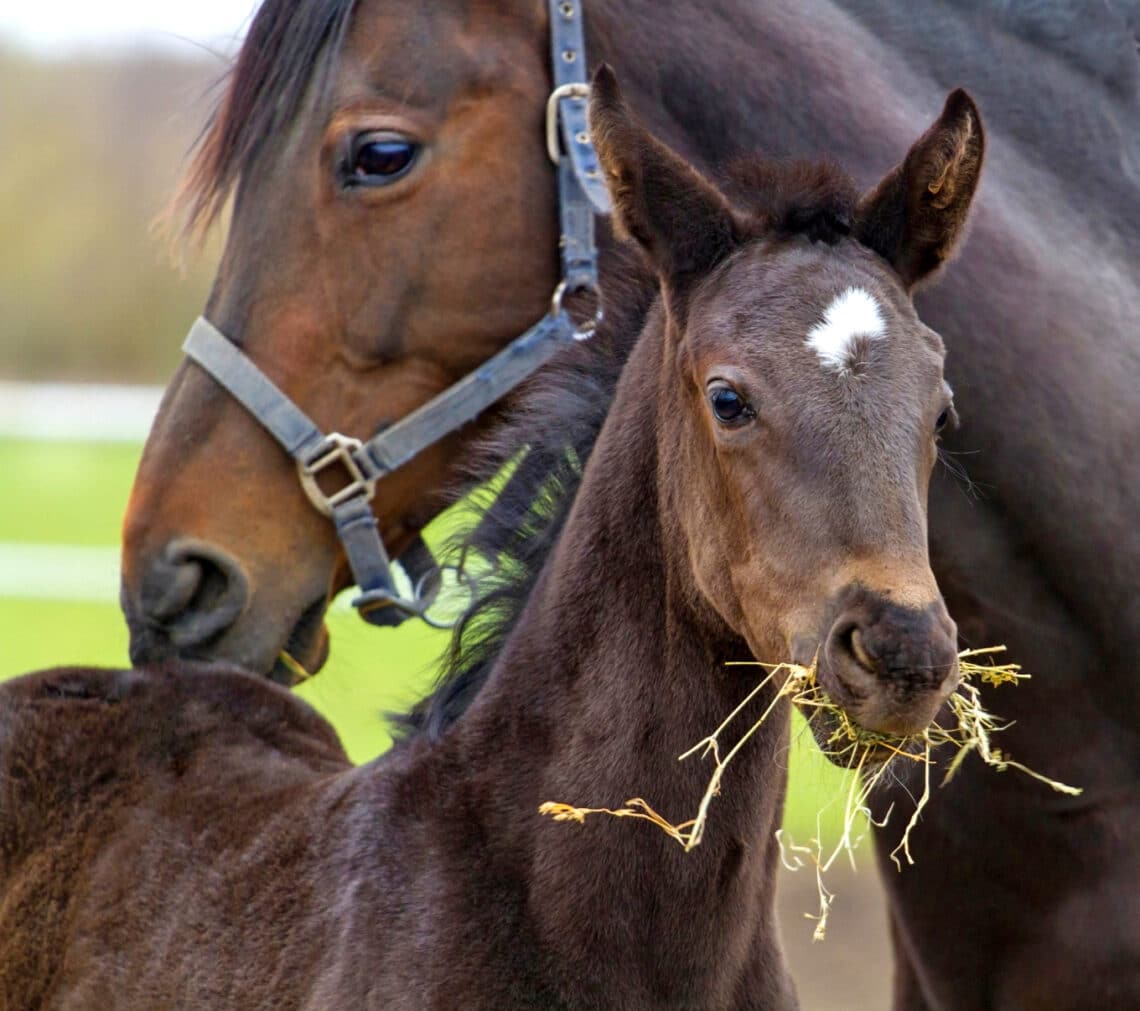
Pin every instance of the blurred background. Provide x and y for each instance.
(99, 107)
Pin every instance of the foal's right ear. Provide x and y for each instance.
(681, 221)
(916, 216)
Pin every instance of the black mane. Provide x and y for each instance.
(290, 44)
(546, 440)
(551, 429)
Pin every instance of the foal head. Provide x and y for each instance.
(801, 399)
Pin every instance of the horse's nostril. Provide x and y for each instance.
(169, 588)
(192, 592)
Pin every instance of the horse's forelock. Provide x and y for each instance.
(290, 44)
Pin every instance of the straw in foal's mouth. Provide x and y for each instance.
(869, 755)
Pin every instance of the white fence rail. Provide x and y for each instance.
(59, 572)
(74, 412)
(70, 413)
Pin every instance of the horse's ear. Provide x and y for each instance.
(681, 221)
(915, 217)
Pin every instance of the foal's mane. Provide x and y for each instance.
(552, 427)
(290, 45)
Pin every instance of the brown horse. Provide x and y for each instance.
(759, 489)
(364, 302)
(447, 166)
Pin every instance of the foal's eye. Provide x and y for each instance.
(378, 159)
(729, 406)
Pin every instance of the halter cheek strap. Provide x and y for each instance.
(360, 465)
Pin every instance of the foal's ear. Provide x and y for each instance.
(915, 217)
(681, 221)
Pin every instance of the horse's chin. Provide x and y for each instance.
(307, 647)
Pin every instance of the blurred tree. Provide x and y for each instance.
(90, 151)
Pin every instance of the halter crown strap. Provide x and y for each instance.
(581, 193)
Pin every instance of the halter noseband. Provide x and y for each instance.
(581, 194)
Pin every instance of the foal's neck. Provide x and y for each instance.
(611, 673)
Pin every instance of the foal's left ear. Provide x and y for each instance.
(916, 216)
(679, 219)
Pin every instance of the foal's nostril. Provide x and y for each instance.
(889, 665)
(850, 658)
(859, 651)
(191, 593)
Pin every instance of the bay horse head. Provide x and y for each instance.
(373, 259)
(803, 399)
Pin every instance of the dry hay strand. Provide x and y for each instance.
(869, 756)
(294, 666)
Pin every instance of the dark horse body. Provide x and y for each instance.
(1031, 890)
(758, 488)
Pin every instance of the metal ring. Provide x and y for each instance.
(462, 579)
(575, 90)
(582, 331)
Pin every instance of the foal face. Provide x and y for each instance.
(801, 398)
(813, 397)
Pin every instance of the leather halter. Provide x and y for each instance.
(581, 194)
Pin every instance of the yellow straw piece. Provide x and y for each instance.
(294, 666)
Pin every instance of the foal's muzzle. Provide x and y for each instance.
(890, 667)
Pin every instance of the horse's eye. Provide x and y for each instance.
(380, 159)
(729, 406)
(948, 418)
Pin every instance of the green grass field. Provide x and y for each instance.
(75, 494)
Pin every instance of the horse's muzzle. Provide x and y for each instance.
(190, 594)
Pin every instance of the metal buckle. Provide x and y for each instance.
(576, 90)
(335, 449)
